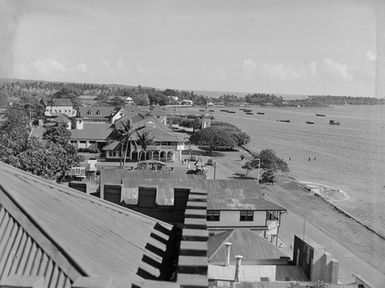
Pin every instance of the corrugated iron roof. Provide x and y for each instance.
(161, 132)
(92, 131)
(97, 111)
(94, 235)
(244, 242)
(20, 254)
(116, 176)
(221, 194)
(57, 102)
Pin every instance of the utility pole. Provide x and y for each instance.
(259, 167)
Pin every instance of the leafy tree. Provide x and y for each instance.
(170, 92)
(192, 123)
(268, 161)
(240, 137)
(60, 137)
(141, 99)
(117, 102)
(213, 137)
(3, 98)
(50, 158)
(57, 134)
(267, 177)
(68, 93)
(47, 159)
(14, 134)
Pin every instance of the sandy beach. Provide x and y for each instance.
(326, 191)
(348, 158)
(313, 206)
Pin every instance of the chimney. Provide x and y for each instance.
(228, 249)
(238, 259)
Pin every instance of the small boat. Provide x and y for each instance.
(201, 110)
(211, 111)
(334, 122)
(309, 122)
(249, 113)
(223, 110)
(229, 111)
(285, 121)
(320, 115)
(261, 113)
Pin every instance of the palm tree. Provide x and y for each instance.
(143, 140)
(123, 135)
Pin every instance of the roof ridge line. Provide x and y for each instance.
(220, 246)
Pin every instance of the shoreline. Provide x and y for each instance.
(318, 190)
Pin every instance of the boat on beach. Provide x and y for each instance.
(334, 122)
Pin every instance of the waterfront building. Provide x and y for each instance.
(231, 204)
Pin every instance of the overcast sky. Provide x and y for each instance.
(281, 46)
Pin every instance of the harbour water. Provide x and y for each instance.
(349, 157)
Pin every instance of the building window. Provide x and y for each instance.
(246, 216)
(213, 215)
(272, 215)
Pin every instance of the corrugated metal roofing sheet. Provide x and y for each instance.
(92, 131)
(221, 194)
(103, 239)
(244, 242)
(21, 255)
(96, 111)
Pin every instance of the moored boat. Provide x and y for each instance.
(309, 122)
(320, 115)
(334, 122)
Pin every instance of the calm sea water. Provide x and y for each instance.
(350, 157)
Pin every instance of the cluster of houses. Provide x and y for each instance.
(96, 129)
(145, 227)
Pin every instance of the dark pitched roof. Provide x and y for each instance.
(97, 112)
(92, 131)
(133, 119)
(161, 132)
(57, 102)
(72, 233)
(158, 111)
(244, 242)
(61, 119)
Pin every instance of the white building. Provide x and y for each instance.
(57, 106)
(241, 204)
